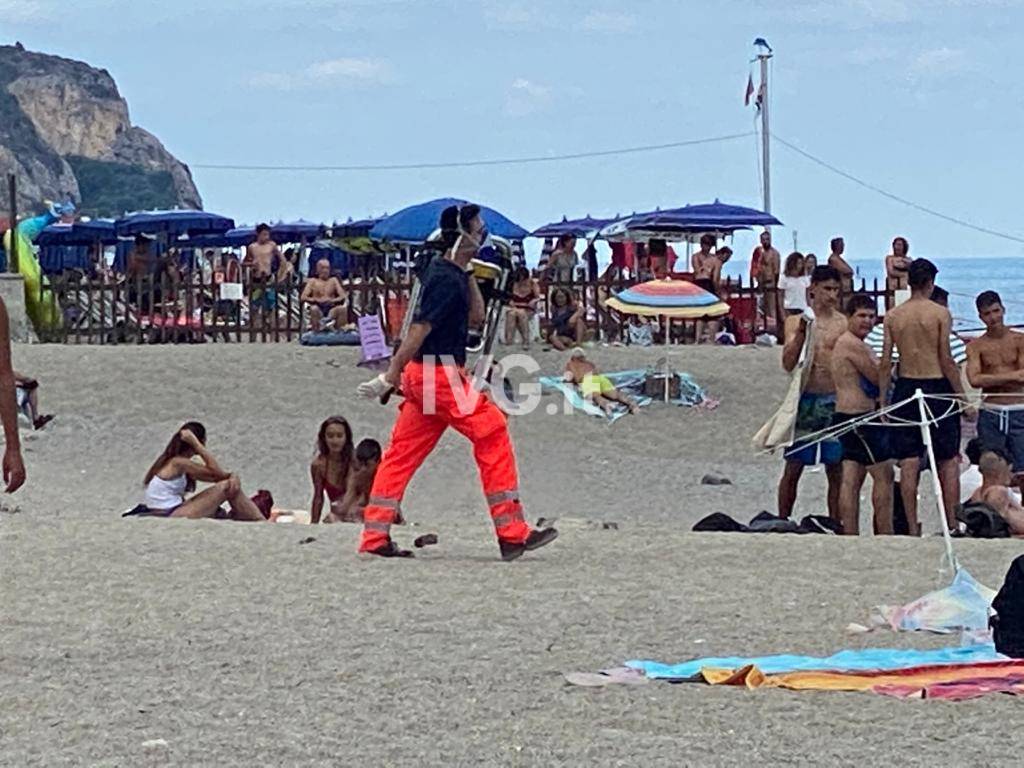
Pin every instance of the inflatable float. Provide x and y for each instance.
(40, 302)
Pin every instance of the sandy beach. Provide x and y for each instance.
(151, 642)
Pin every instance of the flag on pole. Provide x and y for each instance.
(760, 97)
(750, 90)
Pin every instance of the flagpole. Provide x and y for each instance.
(764, 54)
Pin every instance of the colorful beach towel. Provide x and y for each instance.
(869, 659)
(947, 681)
(632, 383)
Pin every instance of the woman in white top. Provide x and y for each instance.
(176, 472)
(794, 284)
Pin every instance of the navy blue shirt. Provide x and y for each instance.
(444, 303)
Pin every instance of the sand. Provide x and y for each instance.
(150, 642)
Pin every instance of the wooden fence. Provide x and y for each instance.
(150, 310)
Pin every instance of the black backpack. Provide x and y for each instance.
(982, 521)
(1008, 623)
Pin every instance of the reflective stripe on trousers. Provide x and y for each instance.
(416, 433)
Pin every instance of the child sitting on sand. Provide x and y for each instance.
(360, 480)
(329, 470)
(175, 474)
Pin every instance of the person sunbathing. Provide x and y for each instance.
(349, 509)
(595, 387)
(997, 474)
(175, 473)
(329, 470)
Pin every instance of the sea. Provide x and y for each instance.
(963, 277)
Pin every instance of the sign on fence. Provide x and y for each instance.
(231, 291)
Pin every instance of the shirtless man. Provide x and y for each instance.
(835, 259)
(141, 261)
(764, 273)
(261, 254)
(866, 446)
(325, 296)
(709, 277)
(897, 266)
(995, 365)
(919, 329)
(595, 387)
(995, 491)
(818, 399)
(707, 244)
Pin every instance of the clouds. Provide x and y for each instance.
(939, 62)
(345, 72)
(26, 12)
(612, 22)
(525, 97)
(525, 17)
(514, 16)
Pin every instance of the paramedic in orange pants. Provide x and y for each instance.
(429, 366)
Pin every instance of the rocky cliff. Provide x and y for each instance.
(64, 130)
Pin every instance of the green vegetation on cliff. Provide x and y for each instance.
(110, 189)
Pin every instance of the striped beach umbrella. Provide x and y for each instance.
(668, 298)
(876, 339)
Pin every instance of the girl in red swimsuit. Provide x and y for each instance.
(329, 470)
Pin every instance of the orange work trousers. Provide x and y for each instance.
(438, 397)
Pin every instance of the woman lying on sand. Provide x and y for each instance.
(329, 470)
(176, 472)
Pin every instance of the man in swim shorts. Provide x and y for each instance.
(866, 445)
(919, 329)
(326, 297)
(995, 365)
(818, 399)
(594, 386)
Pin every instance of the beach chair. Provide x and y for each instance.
(743, 312)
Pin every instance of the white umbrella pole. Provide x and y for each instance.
(668, 329)
(926, 436)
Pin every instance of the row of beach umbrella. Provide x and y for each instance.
(415, 224)
(410, 225)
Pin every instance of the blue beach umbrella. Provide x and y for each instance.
(172, 223)
(295, 231)
(709, 216)
(359, 228)
(417, 222)
(575, 227)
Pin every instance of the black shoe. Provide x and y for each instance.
(390, 549)
(536, 540)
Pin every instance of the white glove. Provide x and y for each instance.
(374, 388)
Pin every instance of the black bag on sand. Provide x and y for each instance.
(982, 521)
(820, 524)
(1008, 623)
(718, 522)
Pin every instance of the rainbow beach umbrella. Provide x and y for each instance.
(668, 298)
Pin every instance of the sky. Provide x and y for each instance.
(922, 98)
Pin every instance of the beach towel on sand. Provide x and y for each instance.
(778, 431)
(631, 383)
(843, 661)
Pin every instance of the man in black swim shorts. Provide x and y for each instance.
(919, 329)
(866, 446)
